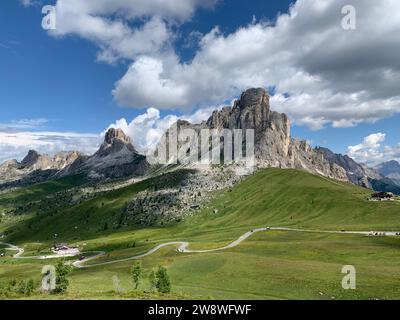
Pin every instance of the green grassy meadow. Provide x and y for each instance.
(268, 265)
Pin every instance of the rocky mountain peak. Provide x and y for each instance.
(116, 157)
(115, 141)
(30, 159)
(251, 111)
(113, 134)
(388, 167)
(391, 170)
(252, 98)
(273, 146)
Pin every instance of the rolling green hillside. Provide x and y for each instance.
(272, 197)
(36, 192)
(275, 264)
(296, 198)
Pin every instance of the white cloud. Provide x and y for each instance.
(15, 145)
(19, 136)
(146, 129)
(323, 74)
(124, 29)
(144, 82)
(29, 3)
(372, 152)
(17, 125)
(131, 9)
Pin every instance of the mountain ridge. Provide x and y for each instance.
(390, 170)
(274, 147)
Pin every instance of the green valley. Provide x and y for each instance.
(274, 264)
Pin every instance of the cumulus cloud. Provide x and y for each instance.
(29, 3)
(323, 74)
(124, 29)
(17, 137)
(146, 129)
(15, 145)
(17, 125)
(145, 83)
(372, 152)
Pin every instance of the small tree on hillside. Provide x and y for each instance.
(62, 281)
(117, 285)
(152, 280)
(163, 281)
(136, 273)
(30, 287)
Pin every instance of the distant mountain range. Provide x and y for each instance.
(274, 147)
(362, 175)
(115, 158)
(390, 170)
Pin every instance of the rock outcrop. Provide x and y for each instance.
(115, 158)
(361, 174)
(391, 170)
(355, 172)
(271, 129)
(273, 145)
(36, 167)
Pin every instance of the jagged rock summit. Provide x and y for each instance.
(115, 141)
(362, 175)
(115, 158)
(30, 159)
(35, 166)
(391, 170)
(251, 111)
(273, 145)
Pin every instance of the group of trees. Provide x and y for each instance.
(159, 280)
(15, 288)
(22, 287)
(62, 282)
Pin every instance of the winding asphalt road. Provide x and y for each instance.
(15, 248)
(183, 246)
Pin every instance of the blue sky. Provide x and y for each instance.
(56, 82)
(60, 80)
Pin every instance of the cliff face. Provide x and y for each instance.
(271, 129)
(35, 162)
(361, 174)
(115, 158)
(391, 170)
(302, 156)
(273, 146)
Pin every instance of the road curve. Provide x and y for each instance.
(15, 248)
(183, 246)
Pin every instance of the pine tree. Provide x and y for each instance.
(136, 273)
(153, 280)
(62, 281)
(163, 281)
